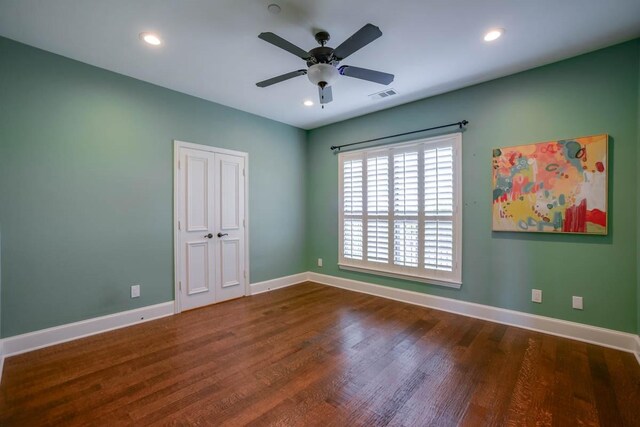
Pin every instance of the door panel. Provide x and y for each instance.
(230, 257)
(197, 182)
(230, 206)
(197, 268)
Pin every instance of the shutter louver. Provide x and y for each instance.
(438, 181)
(405, 183)
(378, 240)
(405, 247)
(438, 245)
(352, 187)
(378, 185)
(352, 239)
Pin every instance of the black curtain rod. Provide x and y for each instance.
(459, 124)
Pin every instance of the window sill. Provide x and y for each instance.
(448, 284)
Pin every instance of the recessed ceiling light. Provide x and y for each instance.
(308, 103)
(493, 34)
(151, 39)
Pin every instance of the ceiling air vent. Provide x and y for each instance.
(384, 94)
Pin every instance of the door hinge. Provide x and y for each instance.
(244, 223)
(180, 286)
(245, 274)
(243, 172)
(179, 226)
(178, 164)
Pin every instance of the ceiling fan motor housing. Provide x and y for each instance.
(321, 55)
(322, 74)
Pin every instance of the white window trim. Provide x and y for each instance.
(449, 279)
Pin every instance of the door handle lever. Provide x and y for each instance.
(221, 234)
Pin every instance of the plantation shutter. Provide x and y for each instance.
(352, 209)
(438, 202)
(399, 210)
(378, 209)
(405, 207)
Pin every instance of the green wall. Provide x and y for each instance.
(589, 94)
(86, 188)
(86, 193)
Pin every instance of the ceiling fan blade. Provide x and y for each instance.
(281, 78)
(283, 44)
(366, 74)
(326, 95)
(360, 39)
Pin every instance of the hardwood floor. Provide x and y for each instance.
(316, 355)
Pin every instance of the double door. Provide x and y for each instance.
(211, 262)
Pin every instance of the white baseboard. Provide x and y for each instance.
(578, 331)
(280, 282)
(43, 338)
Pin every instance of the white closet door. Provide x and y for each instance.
(211, 227)
(197, 224)
(230, 226)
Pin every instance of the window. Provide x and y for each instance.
(400, 210)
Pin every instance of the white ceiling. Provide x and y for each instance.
(211, 49)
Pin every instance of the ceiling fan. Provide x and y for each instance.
(323, 61)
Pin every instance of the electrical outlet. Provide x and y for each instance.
(536, 295)
(319, 262)
(135, 291)
(577, 303)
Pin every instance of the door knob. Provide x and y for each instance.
(221, 234)
(208, 235)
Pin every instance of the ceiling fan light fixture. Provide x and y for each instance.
(493, 34)
(322, 73)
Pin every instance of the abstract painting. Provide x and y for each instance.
(552, 187)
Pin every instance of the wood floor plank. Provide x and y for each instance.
(605, 394)
(316, 355)
(625, 381)
(562, 395)
(583, 391)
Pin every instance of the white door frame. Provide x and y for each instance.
(177, 145)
